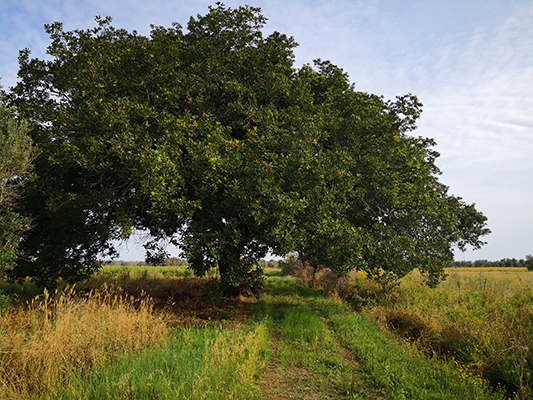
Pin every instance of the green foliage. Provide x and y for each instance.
(209, 139)
(16, 156)
(529, 262)
(179, 134)
(386, 212)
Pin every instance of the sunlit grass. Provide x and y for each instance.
(46, 341)
(208, 362)
(147, 271)
(513, 274)
(325, 350)
(400, 373)
(295, 342)
(470, 319)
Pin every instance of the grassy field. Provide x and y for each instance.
(161, 334)
(482, 319)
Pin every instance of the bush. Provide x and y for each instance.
(289, 265)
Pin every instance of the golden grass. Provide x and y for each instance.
(513, 274)
(51, 337)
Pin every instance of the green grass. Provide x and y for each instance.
(399, 372)
(323, 350)
(293, 343)
(200, 363)
(470, 318)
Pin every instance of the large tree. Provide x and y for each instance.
(209, 138)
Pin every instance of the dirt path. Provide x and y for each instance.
(307, 361)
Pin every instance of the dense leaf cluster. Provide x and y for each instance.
(210, 139)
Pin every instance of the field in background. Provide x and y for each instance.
(511, 273)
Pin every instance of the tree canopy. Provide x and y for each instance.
(210, 138)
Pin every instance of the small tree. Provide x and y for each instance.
(16, 156)
(529, 262)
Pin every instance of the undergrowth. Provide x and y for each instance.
(137, 335)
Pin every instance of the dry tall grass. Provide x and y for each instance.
(48, 339)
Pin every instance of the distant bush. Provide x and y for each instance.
(529, 262)
(289, 265)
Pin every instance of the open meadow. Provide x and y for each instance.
(159, 333)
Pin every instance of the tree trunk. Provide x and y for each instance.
(228, 268)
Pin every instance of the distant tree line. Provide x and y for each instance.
(503, 263)
(178, 262)
(168, 262)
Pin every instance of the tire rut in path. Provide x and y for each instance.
(295, 381)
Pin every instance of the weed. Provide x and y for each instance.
(466, 319)
(519, 359)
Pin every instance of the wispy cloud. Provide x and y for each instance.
(482, 111)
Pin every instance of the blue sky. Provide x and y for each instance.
(469, 62)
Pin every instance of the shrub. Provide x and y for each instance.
(289, 266)
(529, 262)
